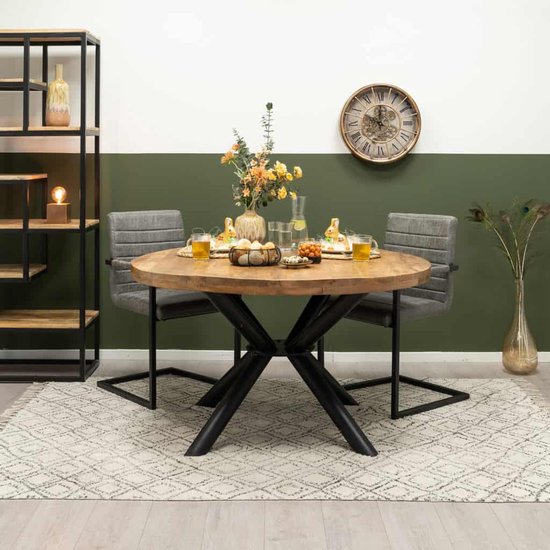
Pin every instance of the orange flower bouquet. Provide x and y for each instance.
(260, 182)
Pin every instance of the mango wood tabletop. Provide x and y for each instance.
(393, 271)
(224, 284)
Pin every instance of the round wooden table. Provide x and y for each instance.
(335, 287)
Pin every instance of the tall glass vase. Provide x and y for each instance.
(519, 353)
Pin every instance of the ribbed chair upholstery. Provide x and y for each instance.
(432, 237)
(134, 234)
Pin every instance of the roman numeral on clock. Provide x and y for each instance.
(366, 147)
(353, 123)
(407, 123)
(356, 136)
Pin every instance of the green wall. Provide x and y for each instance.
(360, 195)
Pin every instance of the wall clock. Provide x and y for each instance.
(380, 123)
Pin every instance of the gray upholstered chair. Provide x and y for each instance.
(432, 237)
(132, 234)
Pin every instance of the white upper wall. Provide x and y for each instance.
(177, 76)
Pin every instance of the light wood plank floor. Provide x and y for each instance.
(274, 525)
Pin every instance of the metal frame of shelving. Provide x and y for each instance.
(45, 39)
(25, 256)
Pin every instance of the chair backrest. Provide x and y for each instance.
(432, 237)
(132, 234)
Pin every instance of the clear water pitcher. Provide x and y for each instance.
(298, 221)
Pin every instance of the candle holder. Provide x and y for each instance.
(58, 211)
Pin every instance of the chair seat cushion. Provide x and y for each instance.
(376, 308)
(171, 304)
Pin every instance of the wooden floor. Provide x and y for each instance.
(274, 525)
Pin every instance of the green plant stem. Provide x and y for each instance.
(518, 254)
(527, 246)
(507, 251)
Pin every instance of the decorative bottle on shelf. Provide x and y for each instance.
(58, 111)
(298, 221)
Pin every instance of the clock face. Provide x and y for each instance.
(380, 123)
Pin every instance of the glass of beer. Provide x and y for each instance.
(361, 246)
(200, 246)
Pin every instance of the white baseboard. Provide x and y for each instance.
(227, 355)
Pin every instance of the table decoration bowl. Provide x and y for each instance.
(296, 262)
(255, 257)
(311, 250)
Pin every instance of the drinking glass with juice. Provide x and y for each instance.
(200, 246)
(361, 246)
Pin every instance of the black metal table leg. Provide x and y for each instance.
(228, 406)
(215, 394)
(228, 394)
(309, 370)
(317, 328)
(312, 310)
(345, 397)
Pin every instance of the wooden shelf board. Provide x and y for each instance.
(45, 35)
(43, 318)
(23, 177)
(15, 271)
(38, 130)
(43, 225)
(17, 84)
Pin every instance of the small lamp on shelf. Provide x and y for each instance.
(59, 210)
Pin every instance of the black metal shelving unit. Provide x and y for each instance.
(78, 321)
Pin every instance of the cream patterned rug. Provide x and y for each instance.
(75, 441)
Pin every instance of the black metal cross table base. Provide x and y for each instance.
(226, 396)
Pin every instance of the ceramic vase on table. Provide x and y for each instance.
(58, 111)
(251, 226)
(519, 352)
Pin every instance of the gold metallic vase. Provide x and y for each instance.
(519, 353)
